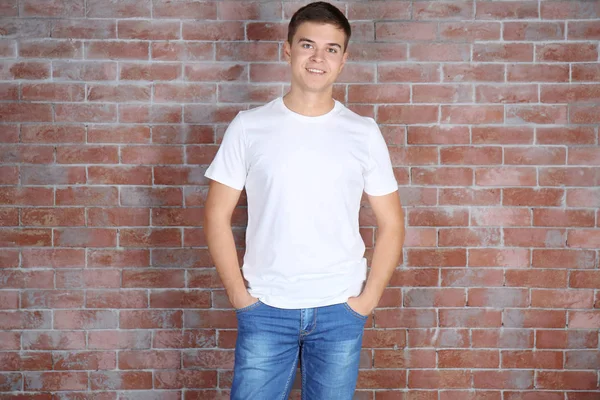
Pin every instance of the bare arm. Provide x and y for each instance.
(388, 250)
(220, 203)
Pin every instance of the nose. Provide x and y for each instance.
(317, 55)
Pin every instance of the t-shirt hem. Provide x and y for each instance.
(224, 181)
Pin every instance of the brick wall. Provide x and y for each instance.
(111, 110)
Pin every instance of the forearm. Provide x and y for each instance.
(221, 246)
(387, 254)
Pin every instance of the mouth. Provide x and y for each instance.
(315, 71)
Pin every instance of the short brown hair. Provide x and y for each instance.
(320, 12)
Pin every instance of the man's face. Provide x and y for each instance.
(316, 56)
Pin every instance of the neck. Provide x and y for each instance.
(308, 104)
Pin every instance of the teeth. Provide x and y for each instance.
(317, 71)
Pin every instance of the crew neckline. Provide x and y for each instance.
(337, 106)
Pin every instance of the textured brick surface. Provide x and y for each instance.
(110, 112)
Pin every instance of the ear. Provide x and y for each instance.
(287, 51)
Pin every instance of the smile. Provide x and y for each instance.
(315, 71)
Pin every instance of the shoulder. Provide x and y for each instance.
(357, 121)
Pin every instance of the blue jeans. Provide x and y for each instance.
(270, 341)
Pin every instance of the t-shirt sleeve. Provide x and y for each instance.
(229, 166)
(379, 176)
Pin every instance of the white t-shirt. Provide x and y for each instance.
(304, 178)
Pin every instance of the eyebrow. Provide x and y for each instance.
(313, 42)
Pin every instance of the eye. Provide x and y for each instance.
(332, 50)
(306, 46)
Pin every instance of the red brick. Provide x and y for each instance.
(189, 338)
(503, 338)
(139, 114)
(425, 10)
(468, 359)
(120, 175)
(472, 114)
(219, 319)
(543, 197)
(121, 380)
(585, 72)
(183, 258)
(85, 319)
(537, 73)
(514, 318)
(404, 358)
(91, 196)
(51, 49)
(26, 154)
(566, 52)
(378, 51)
(85, 112)
(92, 278)
(110, 340)
(469, 395)
(407, 114)
(53, 381)
(381, 379)
(506, 176)
(466, 31)
(430, 297)
(570, 259)
(149, 197)
(182, 51)
(84, 29)
(10, 216)
(84, 70)
(415, 277)
(570, 93)
(22, 112)
(437, 135)
(442, 94)
(512, 258)
(502, 135)
(52, 299)
(121, 9)
(521, 52)
(252, 51)
(506, 94)
(180, 299)
(377, 10)
(542, 114)
(473, 73)
(9, 133)
(154, 279)
(118, 134)
(507, 10)
(584, 279)
(500, 217)
(84, 237)
(442, 176)
(566, 380)
(438, 217)
(145, 359)
(53, 92)
(584, 359)
(148, 30)
(52, 133)
(408, 73)
(562, 298)
(116, 299)
(208, 114)
(574, 176)
(185, 379)
(405, 318)
(587, 156)
(270, 31)
(153, 237)
(537, 278)
(535, 155)
(9, 300)
(436, 257)
(566, 339)
(534, 31)
(86, 360)
(584, 114)
(149, 319)
(438, 337)
(396, 31)
(584, 319)
(39, 279)
(497, 297)
(14, 237)
(180, 175)
(54, 340)
(9, 91)
(214, 31)
(54, 258)
(467, 196)
(437, 379)
(566, 218)
(208, 359)
(233, 10)
(10, 340)
(118, 93)
(470, 318)
(475, 237)
(116, 50)
(439, 52)
(219, 72)
(569, 10)
(240, 93)
(503, 379)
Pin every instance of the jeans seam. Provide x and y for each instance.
(303, 373)
(248, 308)
(285, 389)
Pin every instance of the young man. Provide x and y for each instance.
(304, 160)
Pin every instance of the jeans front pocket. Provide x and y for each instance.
(248, 308)
(354, 313)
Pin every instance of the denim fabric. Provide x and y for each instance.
(271, 341)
